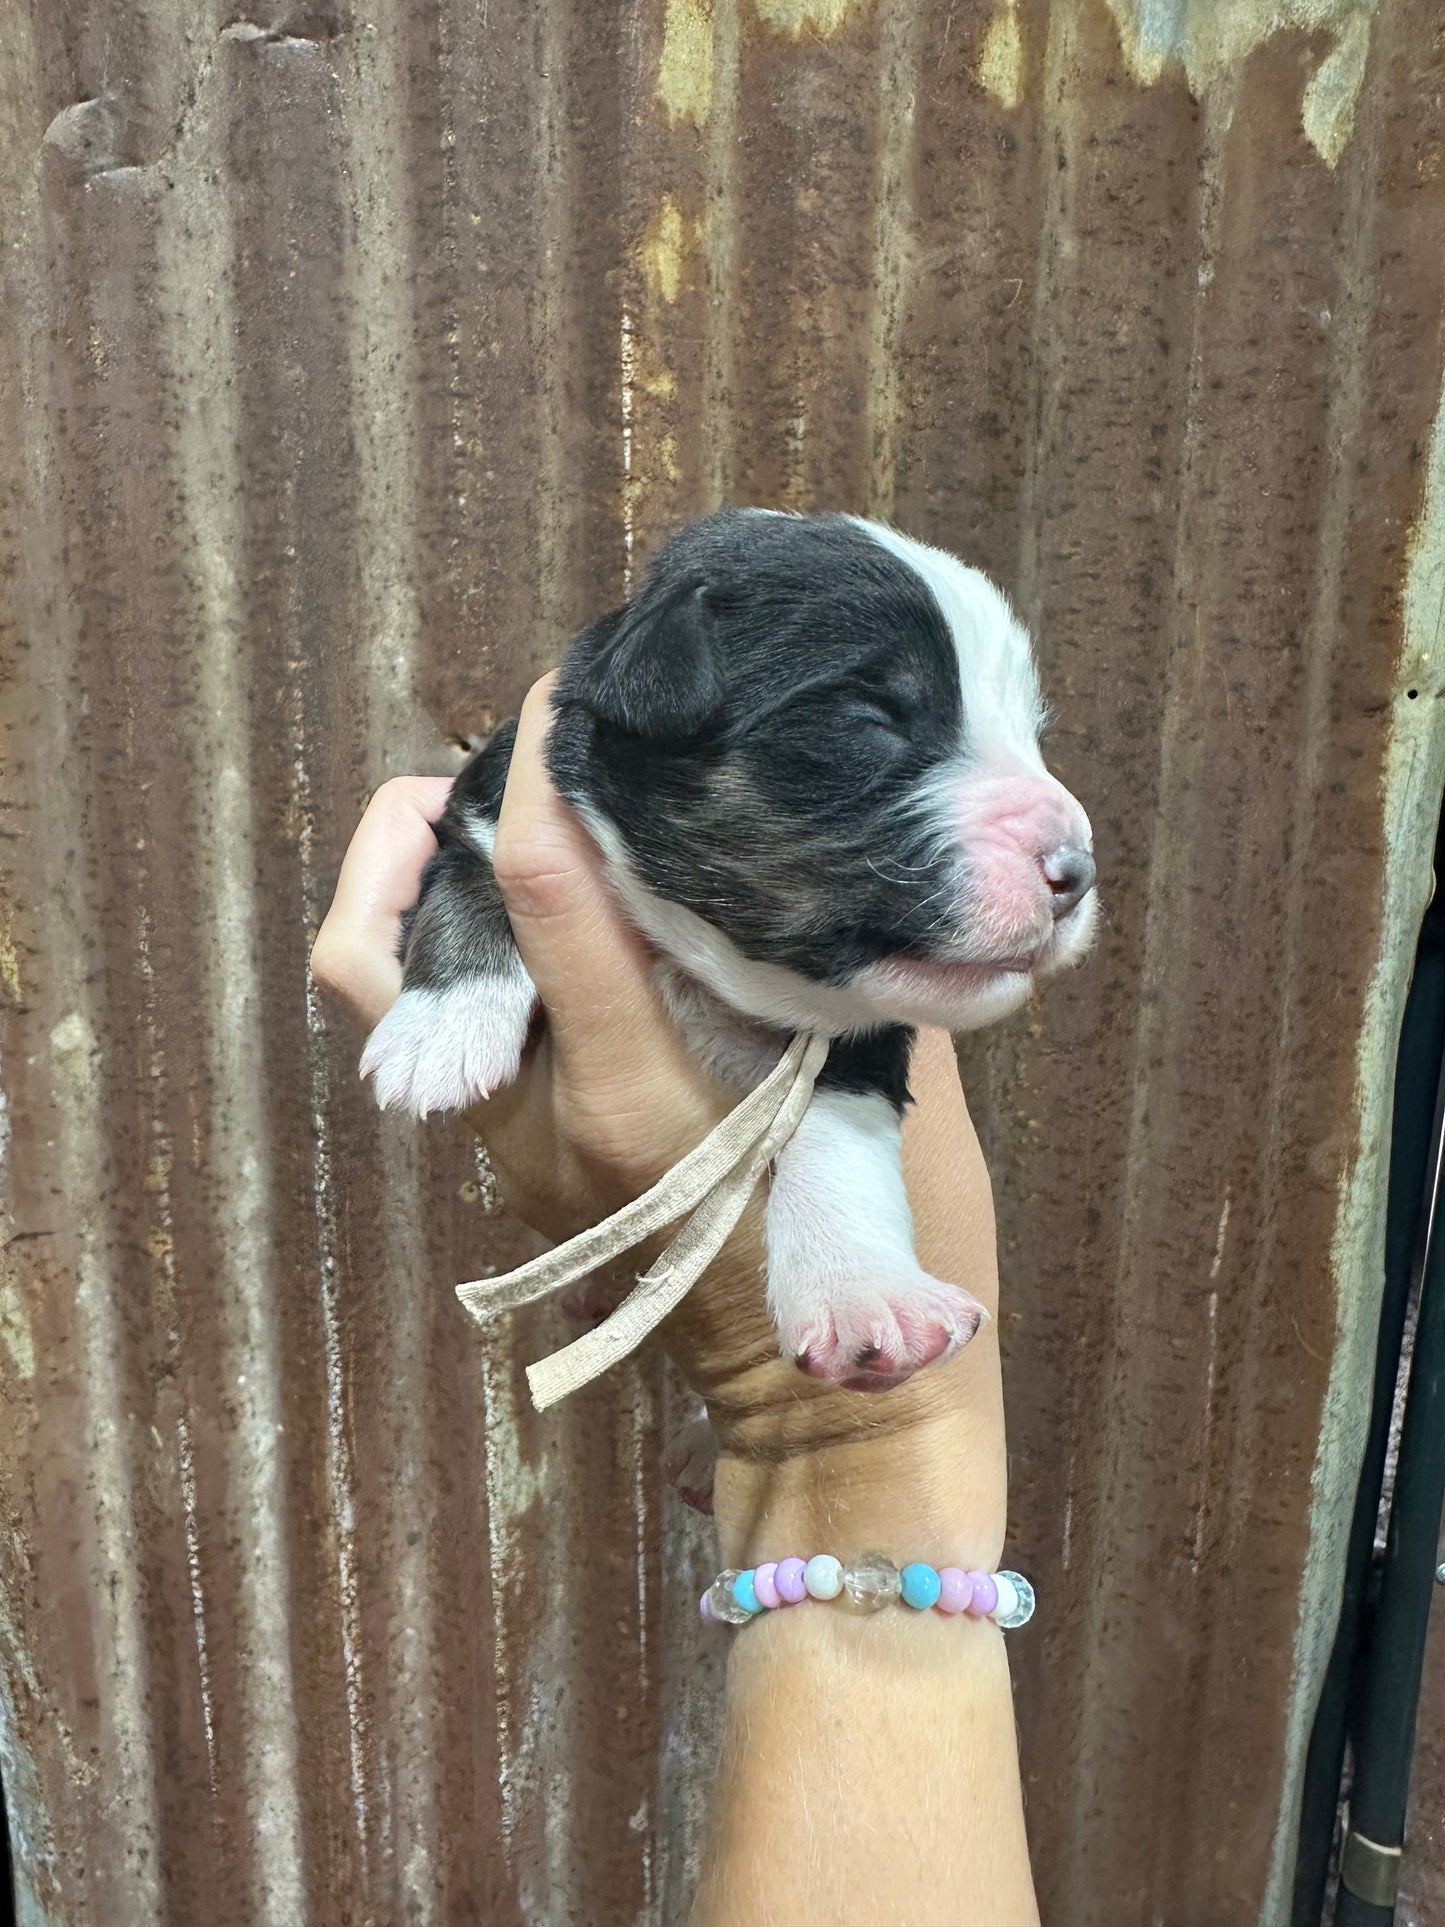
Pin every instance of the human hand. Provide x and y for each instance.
(609, 1097)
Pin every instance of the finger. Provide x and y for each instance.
(592, 971)
(355, 953)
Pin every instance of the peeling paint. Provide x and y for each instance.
(627, 393)
(9, 961)
(660, 251)
(797, 17)
(523, 1710)
(403, 738)
(185, 1454)
(1329, 102)
(74, 1043)
(15, 1333)
(1212, 39)
(514, 1482)
(1001, 58)
(684, 68)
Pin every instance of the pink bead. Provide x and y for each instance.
(789, 1581)
(704, 1609)
(985, 1595)
(765, 1586)
(955, 1590)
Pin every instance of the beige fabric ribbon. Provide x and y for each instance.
(709, 1187)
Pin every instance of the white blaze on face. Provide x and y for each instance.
(997, 805)
(1003, 709)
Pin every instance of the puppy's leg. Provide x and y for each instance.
(457, 1031)
(851, 1302)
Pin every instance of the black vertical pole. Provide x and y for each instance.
(1412, 1154)
(1385, 1732)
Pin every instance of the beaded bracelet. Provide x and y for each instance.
(870, 1580)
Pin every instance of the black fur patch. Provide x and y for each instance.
(458, 926)
(822, 684)
(871, 1060)
(478, 789)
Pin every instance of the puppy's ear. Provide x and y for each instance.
(654, 670)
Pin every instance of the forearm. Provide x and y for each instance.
(869, 1775)
(869, 1769)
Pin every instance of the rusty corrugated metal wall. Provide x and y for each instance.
(351, 355)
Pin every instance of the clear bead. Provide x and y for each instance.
(871, 1580)
(1023, 1612)
(720, 1599)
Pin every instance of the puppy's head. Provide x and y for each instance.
(809, 749)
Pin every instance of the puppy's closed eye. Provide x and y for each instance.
(877, 712)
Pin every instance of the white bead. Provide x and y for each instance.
(823, 1576)
(1008, 1597)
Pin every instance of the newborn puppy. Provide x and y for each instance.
(808, 750)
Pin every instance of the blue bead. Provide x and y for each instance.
(744, 1593)
(921, 1586)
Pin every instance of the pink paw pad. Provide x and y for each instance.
(873, 1344)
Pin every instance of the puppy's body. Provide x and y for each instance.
(808, 751)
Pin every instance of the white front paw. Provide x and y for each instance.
(443, 1049)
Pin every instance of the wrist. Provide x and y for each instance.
(924, 1481)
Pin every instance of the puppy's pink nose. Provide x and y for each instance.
(1069, 873)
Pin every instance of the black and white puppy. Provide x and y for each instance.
(808, 750)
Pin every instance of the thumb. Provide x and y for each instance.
(592, 971)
